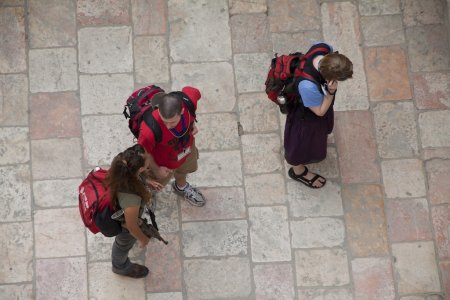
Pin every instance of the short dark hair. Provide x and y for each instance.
(336, 66)
(170, 105)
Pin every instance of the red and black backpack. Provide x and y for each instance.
(140, 105)
(286, 71)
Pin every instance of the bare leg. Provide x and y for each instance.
(180, 179)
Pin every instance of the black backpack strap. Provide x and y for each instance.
(188, 102)
(154, 126)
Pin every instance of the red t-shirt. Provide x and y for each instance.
(169, 152)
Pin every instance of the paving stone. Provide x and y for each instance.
(215, 81)
(222, 204)
(151, 60)
(12, 35)
(53, 70)
(261, 153)
(16, 193)
(199, 31)
(325, 294)
(246, 7)
(16, 291)
(265, 189)
(105, 49)
(365, 220)
(431, 90)
(251, 71)
(16, 250)
(250, 33)
(12, 2)
(416, 12)
(430, 153)
(218, 169)
(167, 209)
(149, 17)
(317, 232)
(440, 216)
(321, 267)
(445, 271)
(314, 203)
(329, 166)
(395, 129)
(55, 115)
(428, 48)
(356, 147)
(165, 296)
(104, 284)
(225, 278)
(216, 238)
(44, 192)
(373, 278)
(60, 278)
(105, 94)
(340, 24)
(56, 158)
(274, 282)
(257, 113)
(409, 281)
(391, 34)
(13, 100)
(383, 7)
(387, 74)
(108, 131)
(65, 240)
(421, 297)
(397, 185)
(51, 23)
(222, 137)
(284, 15)
(289, 42)
(277, 233)
(103, 12)
(434, 127)
(14, 145)
(165, 264)
(408, 220)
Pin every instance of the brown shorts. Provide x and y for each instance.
(189, 166)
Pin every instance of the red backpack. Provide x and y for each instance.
(95, 204)
(142, 103)
(284, 74)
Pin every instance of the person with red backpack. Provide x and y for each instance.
(311, 118)
(168, 136)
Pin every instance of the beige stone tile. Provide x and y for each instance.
(17, 291)
(391, 34)
(14, 145)
(438, 173)
(416, 12)
(59, 233)
(274, 281)
(277, 232)
(434, 127)
(105, 49)
(103, 12)
(250, 33)
(290, 42)
(67, 192)
(199, 31)
(329, 167)
(60, 278)
(265, 189)
(245, 7)
(16, 250)
(12, 2)
(409, 280)
(53, 70)
(317, 233)
(432, 90)
(104, 284)
(51, 23)
(218, 131)
(224, 278)
(386, 7)
(257, 113)
(261, 153)
(167, 203)
(373, 278)
(325, 294)
(165, 296)
(397, 185)
(151, 59)
(56, 158)
(16, 194)
(214, 80)
(105, 94)
(251, 71)
(13, 100)
(12, 30)
(283, 15)
(149, 17)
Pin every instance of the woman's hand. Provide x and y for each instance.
(154, 185)
(143, 242)
(332, 86)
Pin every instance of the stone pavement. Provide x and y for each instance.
(379, 229)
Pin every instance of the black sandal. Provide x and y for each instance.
(308, 182)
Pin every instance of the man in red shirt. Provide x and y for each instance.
(176, 153)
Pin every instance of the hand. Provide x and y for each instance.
(331, 86)
(155, 185)
(143, 242)
(163, 172)
(194, 129)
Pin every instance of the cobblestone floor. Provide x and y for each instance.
(380, 228)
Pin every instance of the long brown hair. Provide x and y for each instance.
(123, 174)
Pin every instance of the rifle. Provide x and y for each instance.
(150, 230)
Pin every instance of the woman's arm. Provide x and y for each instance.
(322, 109)
(131, 221)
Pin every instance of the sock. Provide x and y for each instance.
(180, 187)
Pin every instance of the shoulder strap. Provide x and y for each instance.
(154, 126)
(188, 102)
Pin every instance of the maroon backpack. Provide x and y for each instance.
(95, 204)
